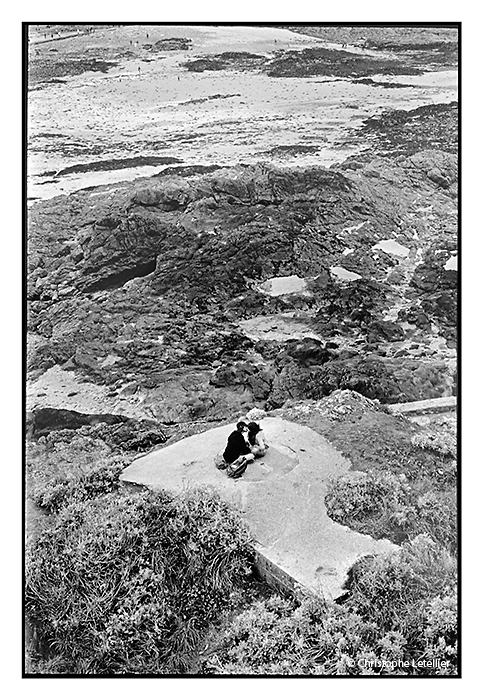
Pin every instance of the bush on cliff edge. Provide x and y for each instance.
(127, 584)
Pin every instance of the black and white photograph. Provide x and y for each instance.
(241, 318)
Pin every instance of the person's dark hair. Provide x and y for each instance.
(240, 425)
(254, 428)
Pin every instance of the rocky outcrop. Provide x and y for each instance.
(257, 378)
(171, 44)
(250, 222)
(148, 283)
(174, 194)
(333, 62)
(238, 60)
(115, 430)
(401, 132)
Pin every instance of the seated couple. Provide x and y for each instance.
(244, 444)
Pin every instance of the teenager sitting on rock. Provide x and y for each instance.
(256, 440)
(237, 454)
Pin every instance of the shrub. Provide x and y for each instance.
(438, 517)
(440, 629)
(379, 441)
(400, 610)
(383, 504)
(375, 503)
(383, 586)
(397, 592)
(127, 584)
(58, 492)
(61, 455)
(442, 442)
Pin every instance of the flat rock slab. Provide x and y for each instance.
(281, 497)
(443, 403)
(62, 389)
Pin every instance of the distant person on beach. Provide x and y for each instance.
(256, 440)
(237, 454)
(139, 71)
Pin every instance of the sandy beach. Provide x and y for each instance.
(150, 104)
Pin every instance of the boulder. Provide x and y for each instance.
(171, 194)
(258, 378)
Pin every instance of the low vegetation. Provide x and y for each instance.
(128, 584)
(382, 504)
(407, 492)
(399, 619)
(60, 491)
(155, 584)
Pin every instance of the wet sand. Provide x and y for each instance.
(215, 117)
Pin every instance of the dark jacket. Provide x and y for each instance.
(235, 447)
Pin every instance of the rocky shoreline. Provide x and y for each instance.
(110, 298)
(186, 297)
(229, 221)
